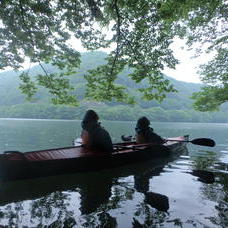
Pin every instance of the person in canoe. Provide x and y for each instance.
(93, 135)
(146, 134)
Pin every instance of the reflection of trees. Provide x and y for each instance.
(13, 214)
(51, 206)
(100, 219)
(218, 191)
(49, 210)
(120, 192)
(101, 194)
(53, 210)
(149, 216)
(205, 161)
(213, 191)
(94, 193)
(221, 197)
(124, 191)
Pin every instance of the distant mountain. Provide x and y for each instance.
(11, 95)
(13, 104)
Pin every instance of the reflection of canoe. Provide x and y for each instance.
(92, 186)
(17, 165)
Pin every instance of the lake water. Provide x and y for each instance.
(129, 196)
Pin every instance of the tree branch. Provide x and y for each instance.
(118, 36)
(43, 68)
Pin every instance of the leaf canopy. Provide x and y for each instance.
(138, 33)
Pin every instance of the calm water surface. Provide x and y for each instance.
(164, 194)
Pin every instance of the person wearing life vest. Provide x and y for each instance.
(94, 136)
(146, 134)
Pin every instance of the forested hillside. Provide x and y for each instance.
(176, 107)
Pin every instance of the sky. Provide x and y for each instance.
(186, 70)
(188, 67)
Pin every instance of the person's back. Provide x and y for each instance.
(145, 134)
(93, 135)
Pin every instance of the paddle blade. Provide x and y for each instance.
(158, 201)
(203, 142)
(126, 138)
(77, 142)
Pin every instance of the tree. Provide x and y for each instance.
(215, 76)
(210, 29)
(141, 33)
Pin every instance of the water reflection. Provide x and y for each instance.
(214, 172)
(60, 200)
(121, 197)
(203, 166)
(94, 193)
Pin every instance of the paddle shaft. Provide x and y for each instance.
(198, 141)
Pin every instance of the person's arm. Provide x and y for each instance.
(85, 138)
(158, 138)
(139, 138)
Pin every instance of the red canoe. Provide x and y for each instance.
(16, 165)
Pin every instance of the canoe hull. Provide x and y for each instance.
(20, 167)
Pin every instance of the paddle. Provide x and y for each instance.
(158, 201)
(77, 142)
(203, 175)
(197, 141)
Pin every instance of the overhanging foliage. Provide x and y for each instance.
(141, 34)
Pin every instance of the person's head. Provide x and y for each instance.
(90, 117)
(143, 122)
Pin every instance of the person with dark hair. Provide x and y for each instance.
(93, 135)
(146, 134)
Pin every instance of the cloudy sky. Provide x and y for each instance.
(188, 67)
